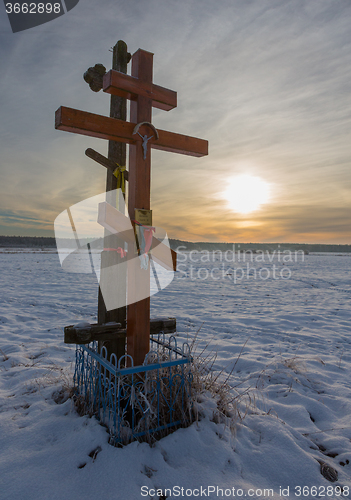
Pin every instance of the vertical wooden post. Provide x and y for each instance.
(116, 153)
(143, 94)
(138, 313)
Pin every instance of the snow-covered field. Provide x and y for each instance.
(296, 363)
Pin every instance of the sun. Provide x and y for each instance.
(246, 193)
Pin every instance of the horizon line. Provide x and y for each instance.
(205, 242)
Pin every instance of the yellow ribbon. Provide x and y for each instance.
(119, 174)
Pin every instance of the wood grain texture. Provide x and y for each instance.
(116, 153)
(138, 313)
(129, 87)
(82, 122)
(111, 332)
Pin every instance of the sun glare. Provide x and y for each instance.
(246, 193)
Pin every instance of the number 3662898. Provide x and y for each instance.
(33, 8)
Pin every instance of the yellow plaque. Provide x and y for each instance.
(144, 217)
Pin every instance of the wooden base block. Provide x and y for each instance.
(113, 331)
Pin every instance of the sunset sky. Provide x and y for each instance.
(266, 82)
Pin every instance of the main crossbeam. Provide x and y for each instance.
(82, 122)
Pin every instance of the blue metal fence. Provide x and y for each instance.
(135, 402)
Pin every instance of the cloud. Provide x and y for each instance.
(267, 83)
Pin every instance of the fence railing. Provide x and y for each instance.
(135, 402)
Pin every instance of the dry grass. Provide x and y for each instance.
(213, 394)
(157, 414)
(231, 403)
(58, 376)
(5, 356)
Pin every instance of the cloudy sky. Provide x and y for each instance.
(266, 82)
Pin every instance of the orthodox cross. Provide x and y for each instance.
(144, 95)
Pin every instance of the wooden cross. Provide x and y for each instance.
(143, 94)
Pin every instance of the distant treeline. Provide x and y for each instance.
(45, 242)
(27, 241)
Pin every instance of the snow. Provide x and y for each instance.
(292, 337)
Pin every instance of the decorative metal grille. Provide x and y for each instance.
(135, 402)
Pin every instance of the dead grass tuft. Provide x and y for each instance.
(4, 355)
(231, 403)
